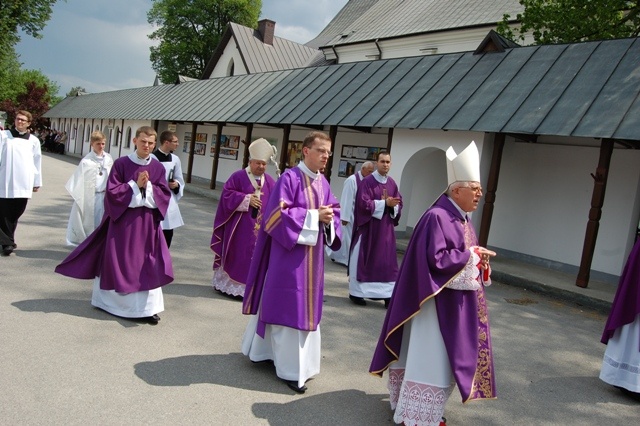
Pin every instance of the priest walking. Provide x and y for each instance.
(238, 219)
(127, 255)
(373, 263)
(285, 285)
(436, 331)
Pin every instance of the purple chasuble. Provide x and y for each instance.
(378, 258)
(285, 284)
(235, 232)
(127, 250)
(436, 254)
(626, 303)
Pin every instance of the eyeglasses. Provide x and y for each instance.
(24, 120)
(323, 152)
(474, 189)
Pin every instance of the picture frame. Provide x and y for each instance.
(294, 154)
(200, 148)
(228, 154)
(346, 168)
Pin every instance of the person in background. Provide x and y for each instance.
(171, 162)
(285, 285)
(87, 186)
(373, 259)
(238, 219)
(436, 332)
(20, 176)
(347, 204)
(621, 362)
(127, 255)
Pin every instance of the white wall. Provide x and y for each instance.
(230, 52)
(544, 197)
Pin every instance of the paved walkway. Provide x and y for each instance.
(598, 295)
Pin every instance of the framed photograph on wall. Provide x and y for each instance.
(229, 154)
(186, 142)
(294, 155)
(200, 148)
(201, 137)
(346, 168)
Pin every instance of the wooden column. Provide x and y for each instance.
(216, 157)
(247, 142)
(333, 134)
(285, 147)
(490, 190)
(192, 147)
(597, 201)
(389, 140)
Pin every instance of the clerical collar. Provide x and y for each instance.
(165, 153)
(307, 171)
(140, 161)
(462, 212)
(16, 134)
(379, 177)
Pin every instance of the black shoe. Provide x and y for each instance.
(153, 319)
(7, 250)
(294, 386)
(358, 300)
(386, 302)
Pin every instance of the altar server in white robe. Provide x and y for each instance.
(171, 162)
(87, 186)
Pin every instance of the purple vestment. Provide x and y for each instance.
(128, 250)
(436, 253)
(626, 304)
(235, 232)
(285, 284)
(377, 259)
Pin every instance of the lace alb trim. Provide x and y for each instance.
(469, 277)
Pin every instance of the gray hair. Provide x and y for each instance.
(456, 185)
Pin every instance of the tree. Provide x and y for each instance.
(36, 99)
(76, 91)
(190, 30)
(570, 21)
(30, 16)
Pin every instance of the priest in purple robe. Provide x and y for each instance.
(436, 331)
(285, 284)
(238, 219)
(621, 362)
(373, 260)
(127, 255)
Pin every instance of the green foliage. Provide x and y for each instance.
(75, 91)
(570, 21)
(30, 16)
(189, 31)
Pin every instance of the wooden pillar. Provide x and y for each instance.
(247, 142)
(285, 147)
(597, 201)
(333, 134)
(192, 147)
(492, 187)
(389, 140)
(216, 158)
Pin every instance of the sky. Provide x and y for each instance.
(102, 45)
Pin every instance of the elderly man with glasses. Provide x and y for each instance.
(20, 176)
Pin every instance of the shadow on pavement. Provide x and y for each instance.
(215, 369)
(347, 407)
(73, 307)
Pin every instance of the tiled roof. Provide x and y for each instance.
(589, 89)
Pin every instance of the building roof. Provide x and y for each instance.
(351, 11)
(588, 89)
(384, 19)
(261, 57)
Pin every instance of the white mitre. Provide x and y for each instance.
(463, 167)
(262, 150)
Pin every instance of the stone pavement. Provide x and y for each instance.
(66, 363)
